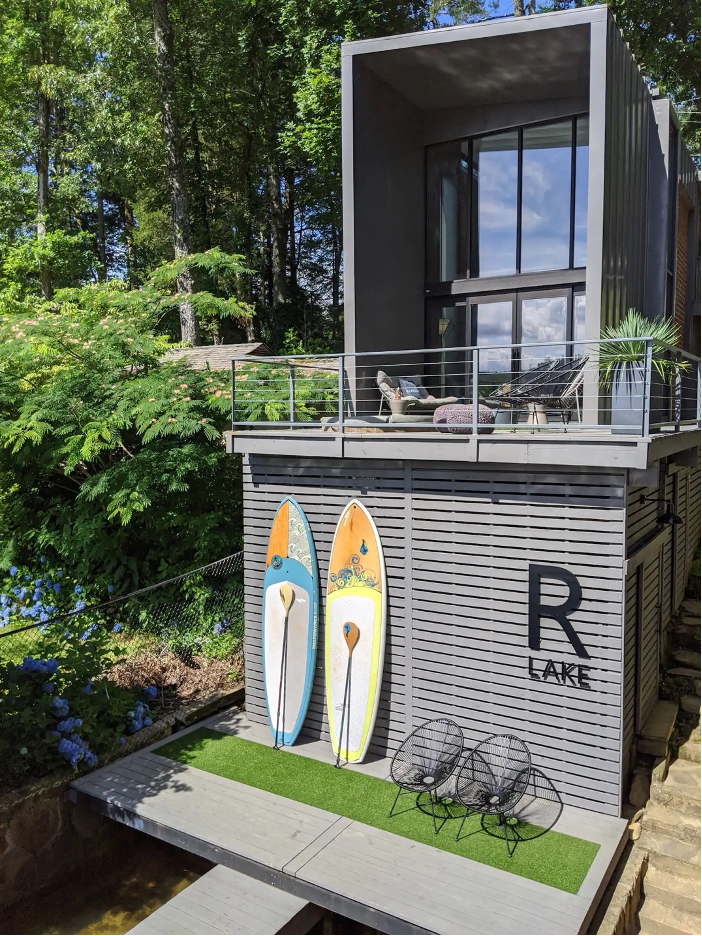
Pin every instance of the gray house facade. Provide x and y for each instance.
(516, 177)
(508, 186)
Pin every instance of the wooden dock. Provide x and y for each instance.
(226, 901)
(379, 879)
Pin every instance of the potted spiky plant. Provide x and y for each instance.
(622, 363)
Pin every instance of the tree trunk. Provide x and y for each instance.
(43, 118)
(101, 247)
(128, 220)
(290, 215)
(180, 219)
(519, 8)
(203, 224)
(278, 238)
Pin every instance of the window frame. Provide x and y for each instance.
(470, 249)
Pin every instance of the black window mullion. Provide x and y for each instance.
(520, 160)
(573, 152)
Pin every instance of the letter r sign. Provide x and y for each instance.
(558, 613)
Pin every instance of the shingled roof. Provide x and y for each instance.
(218, 357)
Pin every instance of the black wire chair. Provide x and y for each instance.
(492, 781)
(426, 759)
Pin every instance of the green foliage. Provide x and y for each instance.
(108, 450)
(616, 356)
(68, 257)
(262, 392)
(58, 708)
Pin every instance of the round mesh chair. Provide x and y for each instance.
(493, 780)
(426, 759)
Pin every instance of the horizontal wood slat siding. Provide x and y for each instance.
(458, 541)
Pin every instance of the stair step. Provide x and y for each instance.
(672, 900)
(660, 844)
(660, 920)
(655, 734)
(690, 751)
(681, 788)
(669, 822)
(683, 870)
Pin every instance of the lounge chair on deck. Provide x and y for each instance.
(412, 393)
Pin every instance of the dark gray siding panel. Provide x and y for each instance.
(458, 541)
(628, 115)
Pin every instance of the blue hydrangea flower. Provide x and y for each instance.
(121, 741)
(57, 587)
(151, 692)
(59, 574)
(147, 723)
(117, 628)
(13, 571)
(80, 605)
(42, 559)
(37, 583)
(88, 689)
(48, 687)
(78, 590)
(110, 589)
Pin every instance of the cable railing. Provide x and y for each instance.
(631, 386)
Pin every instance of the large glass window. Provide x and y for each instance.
(524, 211)
(496, 162)
(543, 318)
(447, 203)
(546, 181)
(492, 327)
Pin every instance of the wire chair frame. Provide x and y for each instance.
(493, 780)
(426, 759)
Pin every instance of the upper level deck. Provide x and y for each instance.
(625, 403)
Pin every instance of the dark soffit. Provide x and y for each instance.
(539, 65)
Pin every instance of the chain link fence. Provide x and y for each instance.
(197, 615)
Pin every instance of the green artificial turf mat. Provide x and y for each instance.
(559, 860)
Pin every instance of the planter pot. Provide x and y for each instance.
(628, 383)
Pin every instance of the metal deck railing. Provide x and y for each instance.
(633, 386)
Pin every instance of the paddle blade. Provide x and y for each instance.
(287, 596)
(351, 635)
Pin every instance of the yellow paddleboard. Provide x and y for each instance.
(356, 595)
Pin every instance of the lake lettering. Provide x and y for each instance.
(566, 674)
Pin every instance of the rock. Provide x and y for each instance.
(683, 671)
(690, 704)
(655, 734)
(640, 790)
(687, 658)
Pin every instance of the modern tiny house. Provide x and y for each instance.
(510, 188)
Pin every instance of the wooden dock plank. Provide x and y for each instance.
(451, 887)
(224, 901)
(312, 856)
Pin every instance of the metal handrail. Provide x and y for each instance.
(471, 359)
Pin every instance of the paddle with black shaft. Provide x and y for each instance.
(351, 636)
(287, 596)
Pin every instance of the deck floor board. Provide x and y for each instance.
(224, 902)
(383, 880)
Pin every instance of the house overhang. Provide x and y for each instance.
(486, 64)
